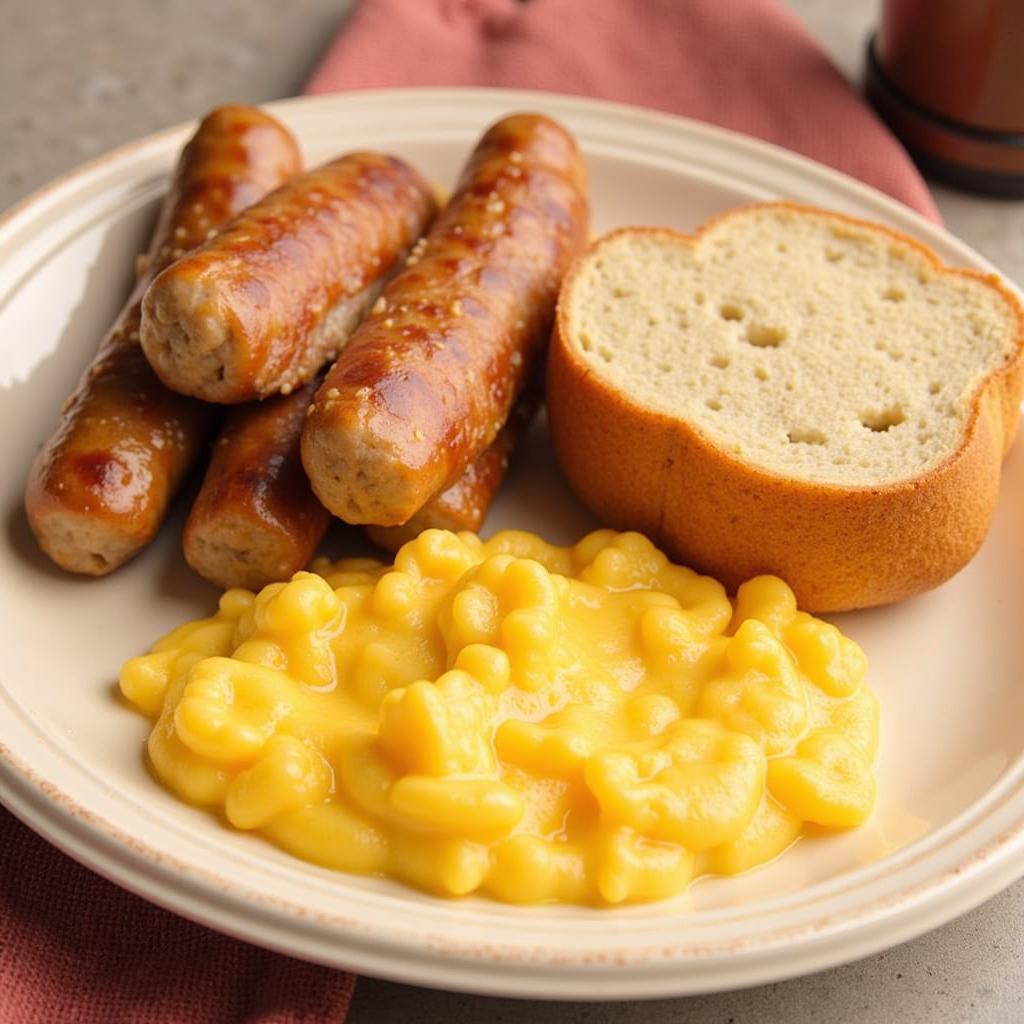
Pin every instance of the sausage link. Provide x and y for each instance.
(263, 305)
(100, 486)
(464, 505)
(428, 379)
(256, 519)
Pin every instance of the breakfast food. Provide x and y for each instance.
(255, 519)
(464, 505)
(428, 379)
(788, 391)
(589, 724)
(262, 306)
(101, 484)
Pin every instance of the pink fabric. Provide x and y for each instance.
(73, 947)
(749, 65)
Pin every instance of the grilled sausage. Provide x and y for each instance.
(100, 486)
(464, 505)
(262, 306)
(428, 379)
(256, 519)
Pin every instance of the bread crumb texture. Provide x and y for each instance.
(808, 346)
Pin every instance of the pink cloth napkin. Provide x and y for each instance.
(73, 947)
(749, 65)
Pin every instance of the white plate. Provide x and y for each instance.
(949, 828)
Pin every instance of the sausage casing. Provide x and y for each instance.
(101, 484)
(464, 505)
(427, 380)
(262, 306)
(256, 519)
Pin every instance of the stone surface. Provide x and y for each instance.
(78, 78)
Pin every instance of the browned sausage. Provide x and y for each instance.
(428, 379)
(100, 486)
(261, 307)
(464, 505)
(256, 519)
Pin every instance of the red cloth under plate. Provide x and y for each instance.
(748, 65)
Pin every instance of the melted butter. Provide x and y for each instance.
(590, 724)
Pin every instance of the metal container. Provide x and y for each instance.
(948, 77)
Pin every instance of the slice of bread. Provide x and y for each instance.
(788, 391)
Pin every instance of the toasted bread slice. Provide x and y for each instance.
(789, 391)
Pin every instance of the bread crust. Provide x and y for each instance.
(839, 547)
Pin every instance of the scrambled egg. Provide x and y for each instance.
(590, 724)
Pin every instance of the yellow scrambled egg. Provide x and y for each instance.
(590, 724)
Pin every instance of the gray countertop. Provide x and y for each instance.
(78, 78)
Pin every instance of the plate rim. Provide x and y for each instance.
(48, 191)
(99, 843)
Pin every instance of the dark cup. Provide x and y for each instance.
(948, 78)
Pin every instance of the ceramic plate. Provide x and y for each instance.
(949, 828)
